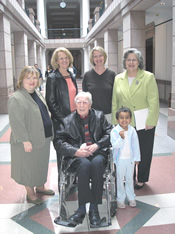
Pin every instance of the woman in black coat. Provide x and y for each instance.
(61, 88)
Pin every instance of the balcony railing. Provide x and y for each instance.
(97, 16)
(62, 33)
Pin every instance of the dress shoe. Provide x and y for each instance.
(76, 218)
(36, 201)
(60, 221)
(46, 192)
(94, 218)
(139, 186)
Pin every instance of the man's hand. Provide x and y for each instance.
(86, 151)
(148, 127)
(83, 153)
(27, 146)
(92, 148)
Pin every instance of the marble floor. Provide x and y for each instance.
(154, 213)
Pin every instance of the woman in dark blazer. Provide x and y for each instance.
(61, 89)
(31, 133)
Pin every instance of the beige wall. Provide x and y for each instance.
(163, 60)
(163, 51)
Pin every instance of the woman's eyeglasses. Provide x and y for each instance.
(61, 58)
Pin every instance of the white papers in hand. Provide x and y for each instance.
(140, 118)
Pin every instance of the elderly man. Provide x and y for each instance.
(85, 137)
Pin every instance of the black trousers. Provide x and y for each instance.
(90, 169)
(146, 141)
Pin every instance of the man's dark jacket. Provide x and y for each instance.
(57, 96)
(70, 136)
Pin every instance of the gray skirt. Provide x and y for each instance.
(30, 169)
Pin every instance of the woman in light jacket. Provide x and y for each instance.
(136, 89)
(31, 133)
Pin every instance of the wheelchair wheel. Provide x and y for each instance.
(70, 183)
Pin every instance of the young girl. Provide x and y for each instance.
(126, 153)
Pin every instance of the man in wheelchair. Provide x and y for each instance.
(84, 139)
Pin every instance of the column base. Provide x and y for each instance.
(3, 104)
(171, 123)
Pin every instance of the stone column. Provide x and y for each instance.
(87, 50)
(90, 47)
(45, 20)
(134, 31)
(86, 59)
(110, 45)
(41, 16)
(43, 61)
(22, 3)
(99, 42)
(32, 52)
(84, 16)
(82, 62)
(21, 51)
(6, 77)
(39, 56)
(107, 3)
(171, 110)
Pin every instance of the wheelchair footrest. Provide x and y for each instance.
(102, 224)
(61, 222)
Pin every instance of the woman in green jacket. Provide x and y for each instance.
(136, 89)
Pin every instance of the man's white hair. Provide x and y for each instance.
(84, 94)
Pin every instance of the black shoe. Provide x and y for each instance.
(94, 218)
(76, 218)
(62, 222)
(139, 186)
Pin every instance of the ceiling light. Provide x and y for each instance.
(62, 4)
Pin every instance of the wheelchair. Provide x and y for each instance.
(67, 183)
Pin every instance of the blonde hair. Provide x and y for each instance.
(54, 59)
(101, 50)
(28, 70)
